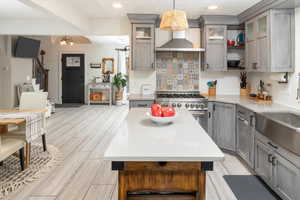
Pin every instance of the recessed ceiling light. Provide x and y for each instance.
(117, 5)
(213, 7)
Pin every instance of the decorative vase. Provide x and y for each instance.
(119, 95)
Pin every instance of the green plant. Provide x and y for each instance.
(119, 81)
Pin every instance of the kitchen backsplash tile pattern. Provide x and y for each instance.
(177, 71)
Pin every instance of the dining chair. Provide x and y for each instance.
(30, 101)
(9, 146)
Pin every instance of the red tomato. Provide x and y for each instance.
(156, 110)
(168, 112)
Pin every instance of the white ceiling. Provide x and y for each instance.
(14, 9)
(122, 39)
(194, 8)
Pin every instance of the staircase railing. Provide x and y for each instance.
(40, 74)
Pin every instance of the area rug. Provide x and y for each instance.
(12, 178)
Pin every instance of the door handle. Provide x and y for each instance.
(273, 161)
(272, 145)
(270, 158)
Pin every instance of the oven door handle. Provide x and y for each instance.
(199, 113)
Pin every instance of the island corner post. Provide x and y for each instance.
(161, 180)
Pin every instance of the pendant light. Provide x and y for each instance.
(174, 20)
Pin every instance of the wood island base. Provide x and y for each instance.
(162, 180)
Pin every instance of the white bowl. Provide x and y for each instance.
(162, 120)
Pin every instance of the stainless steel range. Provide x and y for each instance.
(192, 101)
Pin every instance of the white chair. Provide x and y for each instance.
(30, 101)
(9, 146)
(35, 101)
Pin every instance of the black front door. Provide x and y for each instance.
(72, 78)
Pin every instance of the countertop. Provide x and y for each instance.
(140, 97)
(252, 105)
(142, 140)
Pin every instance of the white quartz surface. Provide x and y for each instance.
(252, 105)
(142, 140)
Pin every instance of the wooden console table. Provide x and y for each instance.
(102, 87)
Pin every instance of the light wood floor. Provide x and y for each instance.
(82, 135)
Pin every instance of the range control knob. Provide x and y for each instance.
(174, 105)
(192, 105)
(179, 105)
(187, 105)
(197, 106)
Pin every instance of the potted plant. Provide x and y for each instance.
(244, 86)
(119, 82)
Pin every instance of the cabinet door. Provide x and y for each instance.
(282, 40)
(245, 140)
(262, 54)
(251, 56)
(143, 47)
(250, 30)
(216, 49)
(225, 126)
(286, 178)
(210, 119)
(263, 158)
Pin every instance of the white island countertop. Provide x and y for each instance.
(142, 140)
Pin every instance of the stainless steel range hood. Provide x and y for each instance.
(179, 43)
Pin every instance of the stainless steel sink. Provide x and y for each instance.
(283, 128)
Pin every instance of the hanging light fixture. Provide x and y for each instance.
(174, 20)
(66, 41)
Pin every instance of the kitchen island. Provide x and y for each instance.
(162, 162)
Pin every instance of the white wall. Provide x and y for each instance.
(13, 71)
(283, 93)
(93, 54)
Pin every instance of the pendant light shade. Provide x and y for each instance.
(174, 20)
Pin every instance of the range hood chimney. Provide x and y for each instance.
(178, 43)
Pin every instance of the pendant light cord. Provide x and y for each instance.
(173, 4)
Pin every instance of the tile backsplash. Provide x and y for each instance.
(177, 71)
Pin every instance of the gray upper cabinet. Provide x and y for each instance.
(269, 41)
(143, 47)
(224, 124)
(214, 40)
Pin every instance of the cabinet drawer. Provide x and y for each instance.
(141, 104)
(161, 166)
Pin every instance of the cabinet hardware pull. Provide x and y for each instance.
(209, 115)
(252, 121)
(273, 160)
(152, 65)
(270, 157)
(207, 66)
(272, 145)
(142, 105)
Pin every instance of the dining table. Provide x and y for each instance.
(5, 122)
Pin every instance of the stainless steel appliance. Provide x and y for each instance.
(283, 128)
(192, 101)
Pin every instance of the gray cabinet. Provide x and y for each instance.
(263, 161)
(278, 172)
(224, 126)
(270, 41)
(140, 103)
(214, 40)
(143, 47)
(286, 178)
(245, 135)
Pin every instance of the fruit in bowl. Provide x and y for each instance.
(162, 115)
